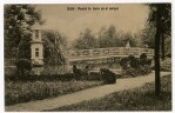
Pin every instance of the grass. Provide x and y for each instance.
(136, 99)
(20, 91)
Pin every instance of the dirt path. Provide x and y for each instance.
(88, 94)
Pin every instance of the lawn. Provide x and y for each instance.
(136, 99)
(20, 91)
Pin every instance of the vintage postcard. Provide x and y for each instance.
(87, 57)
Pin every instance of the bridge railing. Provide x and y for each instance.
(109, 52)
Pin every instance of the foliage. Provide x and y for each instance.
(166, 64)
(144, 61)
(86, 40)
(142, 99)
(24, 91)
(133, 66)
(128, 37)
(167, 47)
(148, 39)
(108, 76)
(23, 67)
(147, 35)
(18, 20)
(131, 72)
(54, 44)
(9, 71)
(104, 75)
(24, 48)
(165, 16)
(44, 77)
(55, 70)
(133, 62)
(94, 76)
(109, 37)
(124, 63)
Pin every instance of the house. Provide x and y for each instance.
(37, 47)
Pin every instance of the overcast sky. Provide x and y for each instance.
(125, 17)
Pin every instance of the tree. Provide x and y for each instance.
(109, 37)
(18, 20)
(147, 35)
(54, 43)
(161, 17)
(129, 37)
(166, 24)
(86, 40)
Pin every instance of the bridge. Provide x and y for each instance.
(96, 54)
(92, 57)
(106, 53)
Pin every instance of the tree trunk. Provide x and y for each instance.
(162, 47)
(157, 51)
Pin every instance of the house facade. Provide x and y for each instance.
(37, 47)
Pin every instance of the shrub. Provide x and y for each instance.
(94, 76)
(43, 77)
(124, 63)
(166, 64)
(143, 59)
(108, 76)
(23, 91)
(145, 70)
(24, 67)
(133, 62)
(58, 69)
(62, 77)
(104, 75)
(143, 56)
(130, 71)
(133, 66)
(10, 71)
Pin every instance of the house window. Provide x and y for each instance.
(37, 34)
(36, 52)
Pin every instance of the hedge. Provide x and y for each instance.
(104, 75)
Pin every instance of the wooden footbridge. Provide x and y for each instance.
(106, 53)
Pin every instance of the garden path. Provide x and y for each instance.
(87, 94)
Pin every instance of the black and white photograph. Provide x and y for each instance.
(87, 57)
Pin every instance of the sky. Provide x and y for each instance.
(125, 17)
